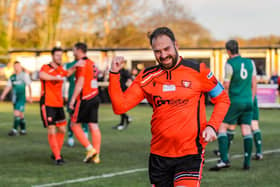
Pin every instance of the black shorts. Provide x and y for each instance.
(164, 171)
(86, 111)
(52, 116)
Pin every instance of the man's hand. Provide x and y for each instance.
(80, 63)
(29, 99)
(209, 134)
(2, 98)
(117, 64)
(71, 104)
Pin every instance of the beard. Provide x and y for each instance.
(174, 60)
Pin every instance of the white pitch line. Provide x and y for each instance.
(109, 175)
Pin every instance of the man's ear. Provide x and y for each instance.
(176, 45)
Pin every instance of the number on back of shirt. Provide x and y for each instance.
(243, 72)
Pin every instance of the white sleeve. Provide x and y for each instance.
(228, 72)
(254, 68)
(9, 83)
(27, 79)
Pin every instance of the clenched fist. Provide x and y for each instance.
(117, 64)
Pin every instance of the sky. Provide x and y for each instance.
(227, 19)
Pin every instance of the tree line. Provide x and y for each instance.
(41, 24)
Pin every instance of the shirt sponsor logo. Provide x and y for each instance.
(210, 75)
(186, 84)
(168, 88)
(158, 101)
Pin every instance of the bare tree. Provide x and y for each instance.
(177, 17)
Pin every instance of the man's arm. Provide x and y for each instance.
(220, 100)
(123, 101)
(227, 78)
(5, 92)
(47, 77)
(30, 93)
(27, 81)
(77, 90)
(254, 81)
(72, 70)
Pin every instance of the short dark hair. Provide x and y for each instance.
(232, 46)
(162, 31)
(56, 49)
(81, 46)
(16, 62)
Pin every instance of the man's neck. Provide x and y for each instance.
(235, 55)
(17, 73)
(82, 56)
(54, 65)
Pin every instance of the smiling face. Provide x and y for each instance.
(57, 57)
(165, 51)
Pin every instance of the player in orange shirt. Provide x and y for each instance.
(175, 88)
(85, 103)
(51, 102)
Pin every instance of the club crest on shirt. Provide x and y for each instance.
(186, 84)
(168, 88)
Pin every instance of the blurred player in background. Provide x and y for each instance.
(125, 81)
(179, 127)
(85, 103)
(255, 130)
(240, 84)
(51, 102)
(71, 80)
(18, 83)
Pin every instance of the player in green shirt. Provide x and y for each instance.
(71, 80)
(18, 82)
(240, 83)
(256, 133)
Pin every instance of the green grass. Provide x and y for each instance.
(24, 160)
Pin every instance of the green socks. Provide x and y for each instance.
(22, 125)
(85, 127)
(70, 132)
(230, 135)
(258, 141)
(248, 144)
(16, 122)
(223, 146)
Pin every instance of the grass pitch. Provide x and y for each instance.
(25, 160)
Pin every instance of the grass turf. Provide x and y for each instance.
(25, 160)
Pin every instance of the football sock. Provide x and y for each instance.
(258, 141)
(80, 135)
(70, 132)
(124, 117)
(248, 144)
(223, 146)
(22, 124)
(96, 138)
(54, 146)
(16, 122)
(60, 140)
(230, 135)
(85, 127)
